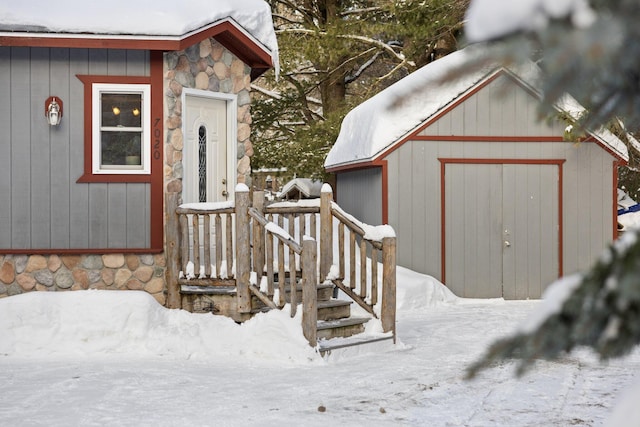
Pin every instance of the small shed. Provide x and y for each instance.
(483, 195)
(108, 112)
(301, 188)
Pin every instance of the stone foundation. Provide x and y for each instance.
(26, 273)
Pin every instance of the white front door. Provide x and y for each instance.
(205, 175)
(208, 158)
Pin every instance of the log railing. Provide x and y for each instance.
(284, 241)
(374, 243)
(206, 251)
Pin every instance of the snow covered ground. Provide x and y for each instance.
(95, 358)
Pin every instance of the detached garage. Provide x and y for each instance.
(483, 195)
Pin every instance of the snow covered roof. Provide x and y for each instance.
(306, 186)
(389, 116)
(126, 19)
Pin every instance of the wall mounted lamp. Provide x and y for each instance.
(53, 110)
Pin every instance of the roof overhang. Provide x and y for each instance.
(602, 137)
(226, 31)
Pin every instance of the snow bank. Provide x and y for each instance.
(630, 220)
(415, 291)
(132, 323)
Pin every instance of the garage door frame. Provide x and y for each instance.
(443, 164)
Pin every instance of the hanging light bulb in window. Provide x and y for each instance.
(135, 112)
(116, 110)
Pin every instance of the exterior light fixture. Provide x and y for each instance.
(53, 110)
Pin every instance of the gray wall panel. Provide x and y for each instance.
(5, 150)
(74, 120)
(134, 211)
(40, 161)
(98, 215)
(43, 206)
(60, 161)
(419, 217)
(20, 150)
(360, 194)
(117, 215)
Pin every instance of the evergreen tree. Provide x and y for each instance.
(334, 55)
(599, 65)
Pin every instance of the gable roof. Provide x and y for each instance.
(393, 114)
(243, 26)
(309, 188)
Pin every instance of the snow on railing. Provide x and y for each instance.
(252, 246)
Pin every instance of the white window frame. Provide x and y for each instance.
(96, 112)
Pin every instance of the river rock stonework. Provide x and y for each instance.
(205, 66)
(24, 273)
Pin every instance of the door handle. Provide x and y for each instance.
(507, 243)
(225, 193)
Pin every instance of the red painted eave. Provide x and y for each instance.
(229, 35)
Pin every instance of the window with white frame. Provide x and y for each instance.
(121, 128)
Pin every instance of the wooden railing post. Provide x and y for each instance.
(243, 251)
(172, 251)
(258, 236)
(388, 309)
(326, 231)
(309, 259)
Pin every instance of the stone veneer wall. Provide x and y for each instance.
(206, 66)
(24, 273)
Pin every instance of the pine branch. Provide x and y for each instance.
(601, 313)
(361, 11)
(363, 67)
(362, 39)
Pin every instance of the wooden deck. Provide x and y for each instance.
(241, 260)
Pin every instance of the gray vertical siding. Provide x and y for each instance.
(41, 204)
(5, 148)
(499, 109)
(360, 194)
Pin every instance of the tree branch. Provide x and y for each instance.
(362, 39)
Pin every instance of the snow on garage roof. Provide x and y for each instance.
(389, 116)
(162, 19)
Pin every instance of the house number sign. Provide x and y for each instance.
(157, 134)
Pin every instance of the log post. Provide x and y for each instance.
(172, 251)
(388, 309)
(309, 291)
(258, 236)
(243, 251)
(326, 232)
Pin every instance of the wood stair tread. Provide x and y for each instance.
(207, 290)
(327, 345)
(349, 321)
(333, 303)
